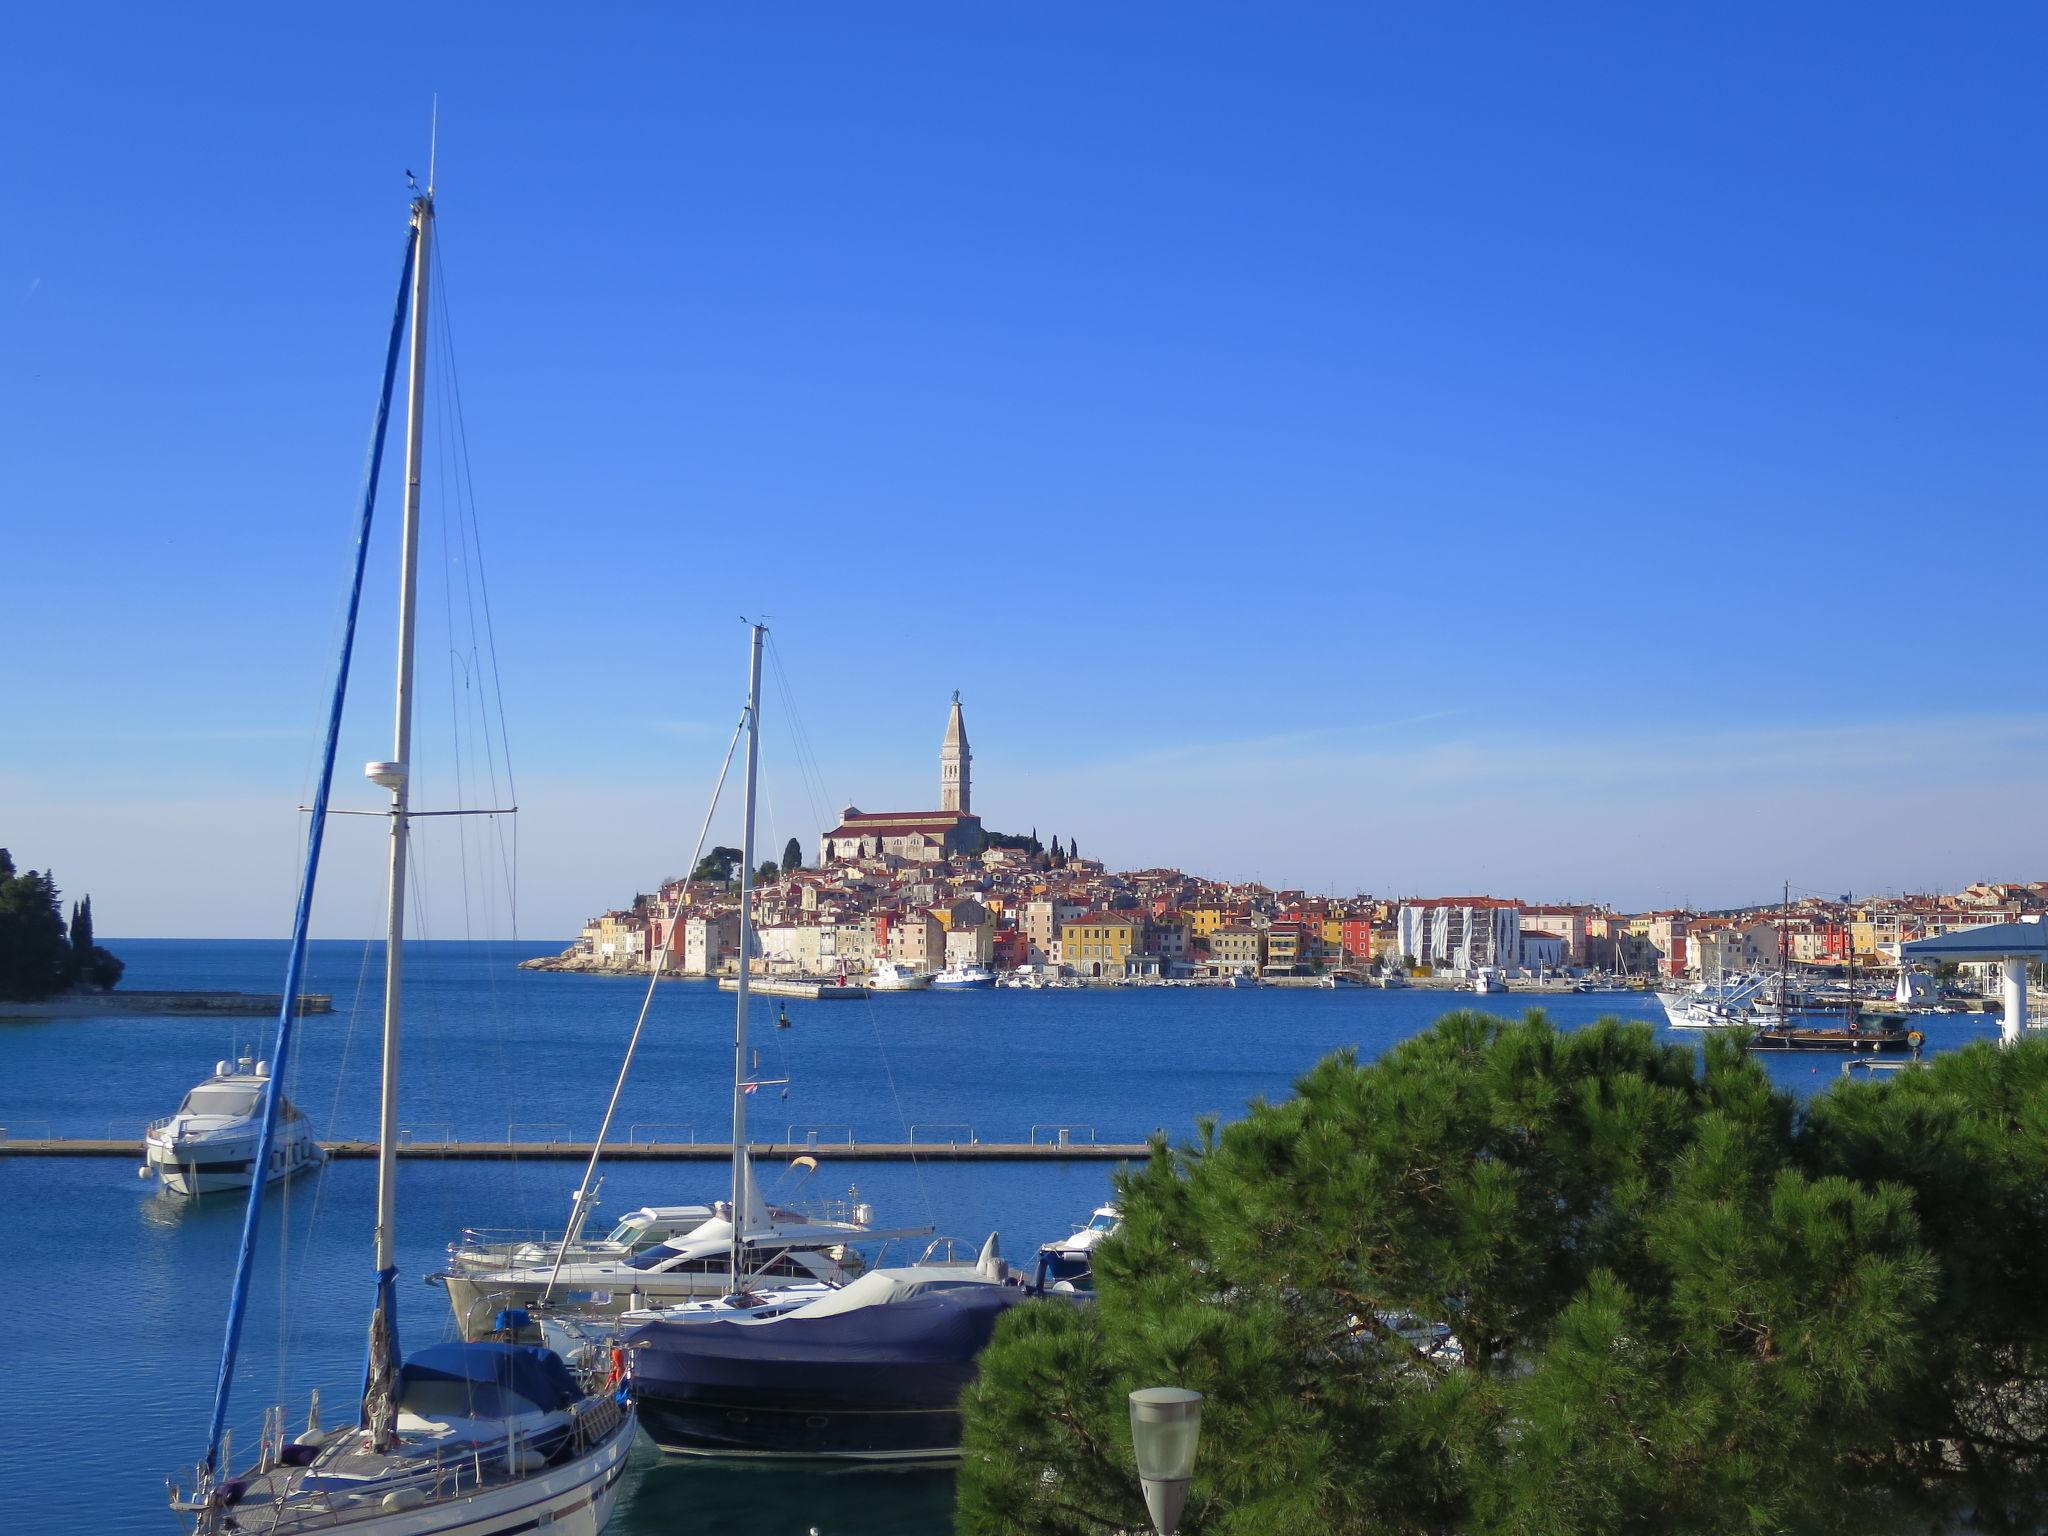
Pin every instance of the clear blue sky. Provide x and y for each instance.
(1570, 451)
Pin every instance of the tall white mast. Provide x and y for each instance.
(741, 1181)
(394, 776)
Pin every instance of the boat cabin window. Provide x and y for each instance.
(1102, 1221)
(219, 1099)
(628, 1232)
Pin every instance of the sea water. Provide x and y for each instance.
(117, 1295)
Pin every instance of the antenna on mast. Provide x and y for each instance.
(433, 140)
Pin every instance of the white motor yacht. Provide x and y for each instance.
(890, 976)
(210, 1143)
(1068, 1264)
(962, 977)
(1246, 979)
(1488, 979)
(788, 1246)
(488, 1249)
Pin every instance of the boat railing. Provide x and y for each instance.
(555, 1132)
(816, 1135)
(27, 1130)
(1063, 1135)
(688, 1138)
(844, 1213)
(932, 1137)
(417, 1135)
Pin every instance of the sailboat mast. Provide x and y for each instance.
(740, 1181)
(395, 776)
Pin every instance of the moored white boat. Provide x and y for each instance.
(209, 1145)
(890, 976)
(959, 977)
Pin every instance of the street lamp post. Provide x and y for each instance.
(1165, 1424)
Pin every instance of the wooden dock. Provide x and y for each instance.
(653, 1151)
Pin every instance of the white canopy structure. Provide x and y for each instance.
(2012, 945)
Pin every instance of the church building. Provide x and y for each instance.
(922, 837)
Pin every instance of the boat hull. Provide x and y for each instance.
(575, 1498)
(1830, 1040)
(186, 1171)
(477, 1300)
(878, 1387)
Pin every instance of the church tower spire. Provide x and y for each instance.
(955, 778)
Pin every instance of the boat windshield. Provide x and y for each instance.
(1102, 1221)
(660, 1253)
(628, 1232)
(220, 1099)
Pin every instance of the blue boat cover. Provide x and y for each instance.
(487, 1371)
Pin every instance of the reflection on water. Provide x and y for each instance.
(722, 1499)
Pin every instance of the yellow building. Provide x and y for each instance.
(1205, 920)
(1098, 943)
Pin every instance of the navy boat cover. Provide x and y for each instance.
(486, 1372)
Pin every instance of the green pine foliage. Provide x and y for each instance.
(792, 856)
(38, 958)
(1513, 1280)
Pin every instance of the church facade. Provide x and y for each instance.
(920, 837)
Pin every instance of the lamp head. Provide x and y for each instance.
(1166, 1423)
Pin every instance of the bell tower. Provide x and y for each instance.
(955, 778)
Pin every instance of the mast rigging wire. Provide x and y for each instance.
(668, 944)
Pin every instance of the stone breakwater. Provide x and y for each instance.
(76, 1005)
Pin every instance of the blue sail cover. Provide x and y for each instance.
(483, 1376)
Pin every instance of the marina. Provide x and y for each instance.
(1114, 1063)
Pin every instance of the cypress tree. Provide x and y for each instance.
(792, 856)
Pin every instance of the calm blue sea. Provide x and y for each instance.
(117, 1296)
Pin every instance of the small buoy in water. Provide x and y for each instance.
(782, 1020)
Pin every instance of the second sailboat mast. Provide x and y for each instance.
(740, 1180)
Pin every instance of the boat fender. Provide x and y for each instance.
(618, 1366)
(402, 1498)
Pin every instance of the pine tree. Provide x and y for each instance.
(35, 955)
(1507, 1279)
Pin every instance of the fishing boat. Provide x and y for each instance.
(868, 1371)
(1487, 979)
(964, 977)
(468, 1439)
(209, 1145)
(889, 976)
(1245, 979)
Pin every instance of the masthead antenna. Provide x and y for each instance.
(433, 140)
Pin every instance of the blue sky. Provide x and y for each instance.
(1579, 451)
